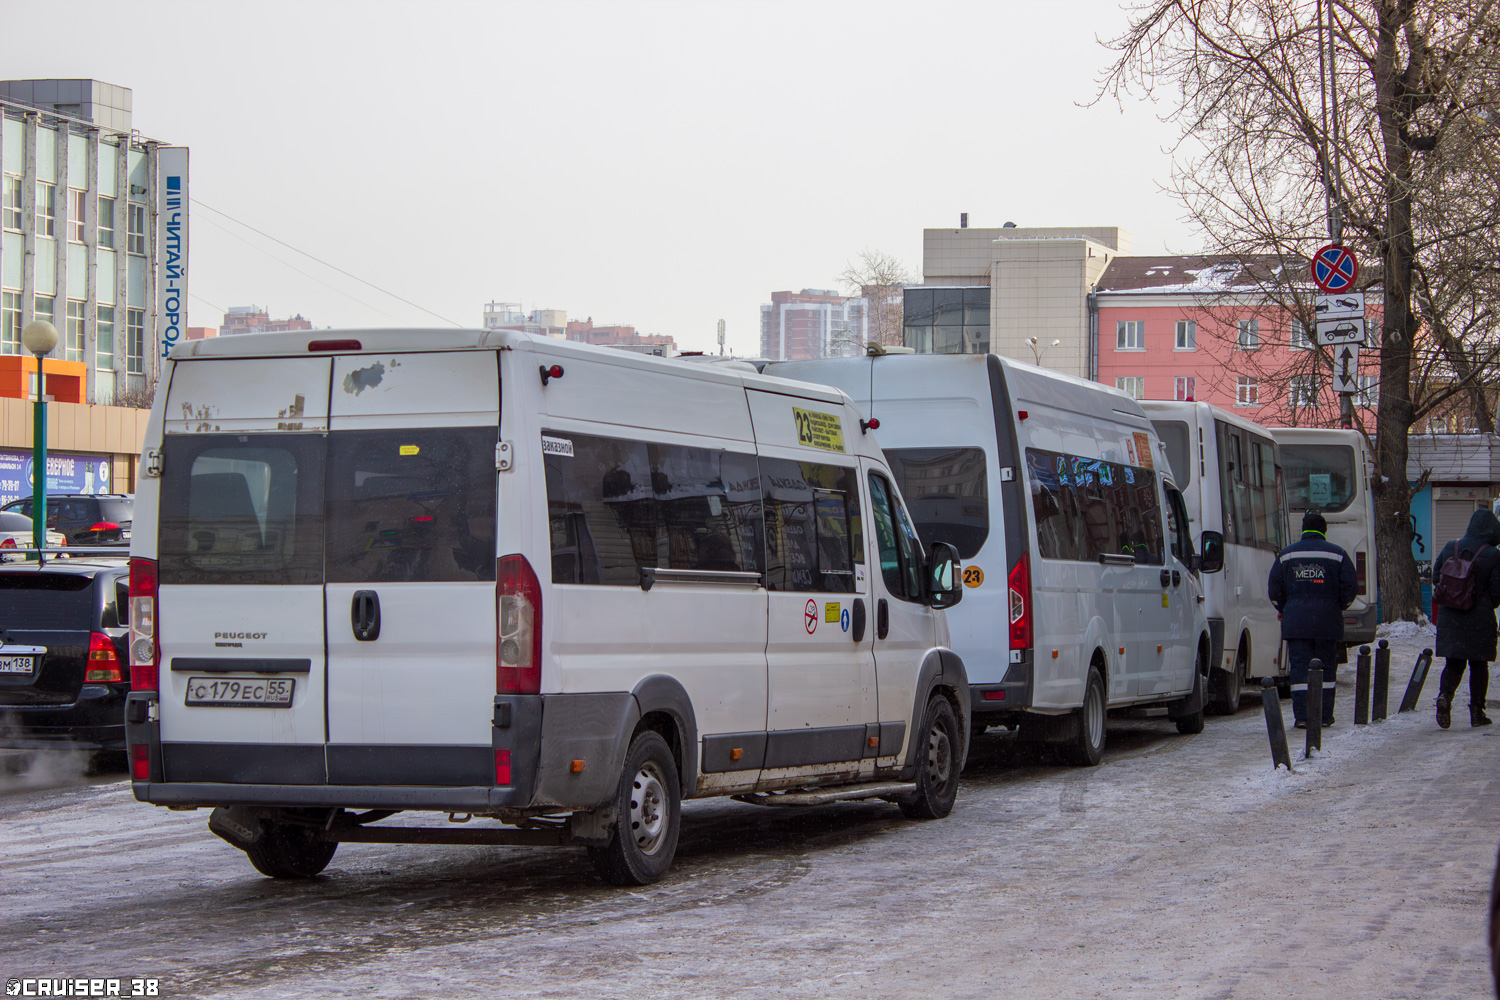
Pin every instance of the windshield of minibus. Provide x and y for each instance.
(1319, 475)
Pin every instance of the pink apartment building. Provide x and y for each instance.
(1203, 328)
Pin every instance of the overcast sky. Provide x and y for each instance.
(663, 165)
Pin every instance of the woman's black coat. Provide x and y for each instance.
(1471, 634)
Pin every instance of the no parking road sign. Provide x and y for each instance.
(1334, 269)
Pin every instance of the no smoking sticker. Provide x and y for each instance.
(810, 614)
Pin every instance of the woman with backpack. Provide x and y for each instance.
(1465, 598)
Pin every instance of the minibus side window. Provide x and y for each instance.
(812, 525)
(900, 552)
(1087, 507)
(616, 506)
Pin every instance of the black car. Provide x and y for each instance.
(64, 669)
(86, 518)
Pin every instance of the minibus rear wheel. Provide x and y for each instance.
(937, 763)
(1086, 748)
(290, 850)
(1227, 686)
(648, 805)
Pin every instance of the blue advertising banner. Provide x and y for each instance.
(65, 474)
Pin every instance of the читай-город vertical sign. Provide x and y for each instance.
(171, 246)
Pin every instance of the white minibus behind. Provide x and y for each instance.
(1226, 468)
(1328, 469)
(1081, 590)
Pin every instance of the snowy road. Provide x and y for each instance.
(1181, 867)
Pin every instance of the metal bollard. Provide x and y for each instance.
(1414, 686)
(1314, 707)
(1382, 680)
(1275, 728)
(1362, 687)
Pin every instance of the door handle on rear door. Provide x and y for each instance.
(1176, 577)
(364, 614)
(859, 619)
(1166, 578)
(882, 618)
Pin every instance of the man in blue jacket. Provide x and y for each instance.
(1311, 583)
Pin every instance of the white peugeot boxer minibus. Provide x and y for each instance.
(1227, 470)
(1081, 593)
(551, 587)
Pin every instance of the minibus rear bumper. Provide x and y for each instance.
(1359, 626)
(1013, 693)
(562, 751)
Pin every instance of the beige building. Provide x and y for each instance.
(1039, 281)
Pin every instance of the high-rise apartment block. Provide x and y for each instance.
(797, 326)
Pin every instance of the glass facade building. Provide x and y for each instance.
(951, 320)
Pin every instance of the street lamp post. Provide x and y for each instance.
(39, 337)
(1037, 351)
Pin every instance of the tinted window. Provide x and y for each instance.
(1249, 498)
(615, 506)
(896, 539)
(242, 509)
(46, 601)
(813, 529)
(1177, 436)
(1085, 508)
(118, 511)
(408, 505)
(948, 494)
(1319, 475)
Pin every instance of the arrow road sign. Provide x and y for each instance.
(1334, 268)
(1348, 305)
(1346, 369)
(1332, 332)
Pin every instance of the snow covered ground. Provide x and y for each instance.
(1180, 867)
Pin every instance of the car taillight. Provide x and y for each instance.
(9, 543)
(145, 651)
(104, 663)
(1359, 570)
(105, 526)
(1020, 603)
(518, 639)
(140, 762)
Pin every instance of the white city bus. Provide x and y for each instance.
(1329, 469)
(1227, 470)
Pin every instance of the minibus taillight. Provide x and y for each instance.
(1020, 603)
(518, 640)
(1359, 570)
(104, 664)
(145, 651)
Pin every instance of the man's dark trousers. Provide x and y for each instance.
(1300, 654)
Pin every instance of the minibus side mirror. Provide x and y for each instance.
(1212, 560)
(944, 580)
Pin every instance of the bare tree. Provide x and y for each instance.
(1410, 171)
(880, 278)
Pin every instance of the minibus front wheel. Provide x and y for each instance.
(648, 807)
(937, 763)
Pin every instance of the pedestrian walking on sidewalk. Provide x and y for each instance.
(1465, 597)
(1312, 581)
